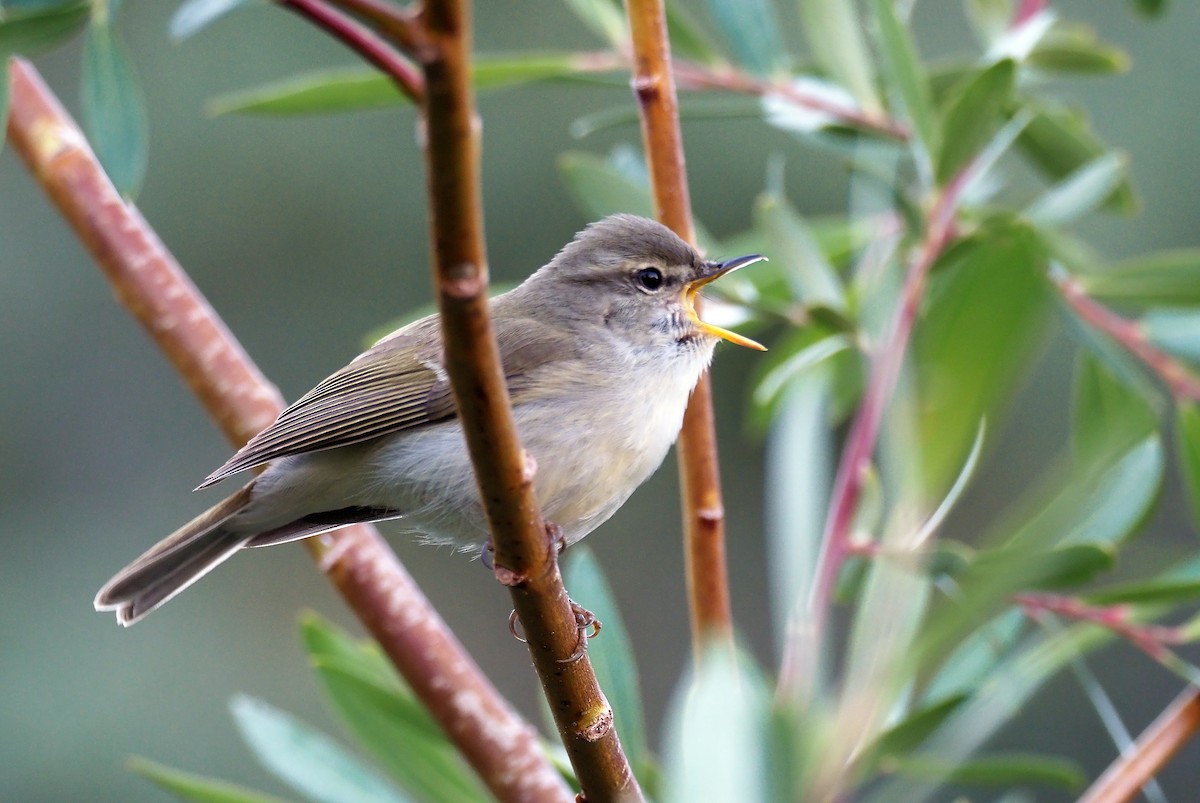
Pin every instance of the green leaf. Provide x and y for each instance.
(1059, 141)
(973, 115)
(306, 759)
(1002, 769)
(717, 729)
(394, 728)
(1187, 433)
(29, 31)
(194, 15)
(1180, 583)
(1081, 192)
(990, 581)
(1007, 689)
(752, 30)
(1110, 415)
(605, 18)
(1168, 278)
(1075, 49)
(835, 37)
(113, 110)
(1102, 501)
(611, 654)
(1150, 8)
(346, 89)
(688, 38)
(198, 788)
(796, 358)
(326, 644)
(906, 73)
(907, 734)
(986, 311)
(976, 657)
(813, 280)
(989, 18)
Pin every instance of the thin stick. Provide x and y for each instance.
(526, 555)
(501, 747)
(1181, 382)
(1165, 737)
(361, 40)
(700, 479)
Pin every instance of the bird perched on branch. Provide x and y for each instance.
(601, 349)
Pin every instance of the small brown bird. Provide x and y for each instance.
(601, 349)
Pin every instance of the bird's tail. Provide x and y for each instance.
(175, 563)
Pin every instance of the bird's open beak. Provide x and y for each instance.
(716, 270)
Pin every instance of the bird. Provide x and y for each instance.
(601, 349)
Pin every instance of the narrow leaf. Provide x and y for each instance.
(813, 280)
(326, 644)
(835, 36)
(1169, 278)
(604, 17)
(1075, 49)
(611, 654)
(1081, 192)
(989, 18)
(752, 31)
(688, 37)
(1110, 414)
(973, 115)
(398, 732)
(970, 663)
(974, 340)
(32, 31)
(1059, 141)
(717, 733)
(195, 15)
(113, 108)
(906, 73)
(198, 788)
(306, 759)
(1004, 769)
(346, 89)
(1187, 432)
(1179, 583)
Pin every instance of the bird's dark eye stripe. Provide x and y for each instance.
(649, 278)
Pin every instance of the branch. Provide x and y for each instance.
(1130, 335)
(501, 747)
(700, 479)
(1157, 745)
(526, 556)
(836, 540)
(361, 40)
(1153, 640)
(730, 79)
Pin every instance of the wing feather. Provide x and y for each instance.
(398, 384)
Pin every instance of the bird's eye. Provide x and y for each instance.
(649, 278)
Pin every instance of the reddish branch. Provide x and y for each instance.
(501, 747)
(703, 512)
(363, 40)
(1181, 382)
(1154, 640)
(1158, 744)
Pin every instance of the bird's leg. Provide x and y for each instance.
(589, 628)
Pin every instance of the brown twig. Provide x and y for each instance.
(1130, 335)
(362, 40)
(501, 747)
(700, 479)
(526, 556)
(1165, 737)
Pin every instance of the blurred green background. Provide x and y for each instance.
(306, 234)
